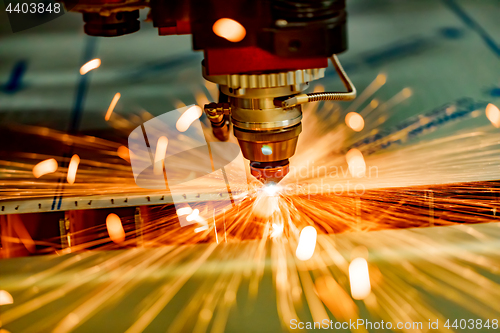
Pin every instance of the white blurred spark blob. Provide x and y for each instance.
(195, 216)
(184, 211)
(359, 278)
(5, 297)
(161, 151)
(73, 168)
(229, 29)
(356, 163)
(115, 228)
(355, 121)
(90, 65)
(45, 167)
(188, 117)
(493, 114)
(307, 243)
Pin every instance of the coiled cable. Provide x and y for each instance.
(326, 96)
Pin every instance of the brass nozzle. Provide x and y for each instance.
(269, 151)
(268, 172)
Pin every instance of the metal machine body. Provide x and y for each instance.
(262, 54)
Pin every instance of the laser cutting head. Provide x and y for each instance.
(267, 133)
(262, 54)
(266, 113)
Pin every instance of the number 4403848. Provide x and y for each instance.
(471, 324)
(34, 8)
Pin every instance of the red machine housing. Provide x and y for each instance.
(251, 59)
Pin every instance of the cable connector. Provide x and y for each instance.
(324, 96)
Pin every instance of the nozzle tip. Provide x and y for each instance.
(270, 172)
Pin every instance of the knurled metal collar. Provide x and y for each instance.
(273, 135)
(269, 80)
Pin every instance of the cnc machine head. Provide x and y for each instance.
(261, 53)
